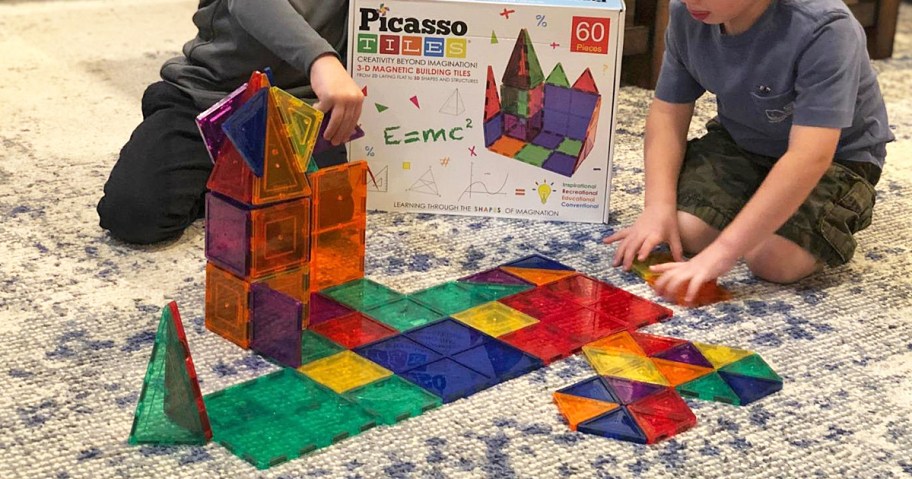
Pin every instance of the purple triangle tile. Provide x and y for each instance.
(628, 391)
(494, 276)
(685, 353)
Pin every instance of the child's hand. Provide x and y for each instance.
(653, 227)
(336, 91)
(712, 262)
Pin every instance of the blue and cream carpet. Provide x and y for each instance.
(78, 310)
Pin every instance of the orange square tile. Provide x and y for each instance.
(339, 195)
(337, 256)
(281, 237)
(227, 305)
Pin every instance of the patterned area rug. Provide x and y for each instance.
(78, 310)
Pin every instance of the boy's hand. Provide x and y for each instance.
(712, 262)
(336, 91)
(655, 226)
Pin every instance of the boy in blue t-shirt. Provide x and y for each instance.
(785, 174)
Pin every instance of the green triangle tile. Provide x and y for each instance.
(381, 108)
(752, 366)
(558, 77)
(536, 75)
(709, 388)
(316, 346)
(170, 408)
(312, 165)
(493, 38)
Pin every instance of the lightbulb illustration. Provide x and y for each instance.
(544, 190)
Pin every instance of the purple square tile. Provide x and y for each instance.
(583, 103)
(556, 122)
(275, 320)
(548, 140)
(227, 234)
(493, 129)
(557, 98)
(560, 163)
(577, 127)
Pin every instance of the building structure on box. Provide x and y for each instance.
(544, 122)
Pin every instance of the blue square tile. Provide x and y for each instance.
(447, 379)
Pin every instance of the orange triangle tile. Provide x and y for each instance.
(679, 373)
(622, 341)
(538, 276)
(577, 409)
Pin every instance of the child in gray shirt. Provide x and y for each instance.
(157, 186)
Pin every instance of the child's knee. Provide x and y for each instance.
(781, 261)
(138, 218)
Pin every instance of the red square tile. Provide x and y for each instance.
(538, 303)
(586, 325)
(543, 342)
(631, 309)
(353, 330)
(580, 289)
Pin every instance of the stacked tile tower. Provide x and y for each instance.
(544, 122)
(272, 218)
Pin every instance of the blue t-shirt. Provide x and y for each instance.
(803, 62)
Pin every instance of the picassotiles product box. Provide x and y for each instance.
(487, 108)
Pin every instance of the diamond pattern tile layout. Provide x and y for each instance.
(637, 395)
(372, 356)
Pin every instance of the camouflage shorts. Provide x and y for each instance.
(718, 178)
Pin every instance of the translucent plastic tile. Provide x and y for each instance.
(362, 294)
(227, 234)
(497, 360)
(495, 319)
(398, 354)
(636, 312)
(170, 408)
(752, 366)
(323, 309)
(538, 303)
(404, 314)
(448, 298)
(293, 282)
(281, 416)
(652, 344)
(353, 330)
(617, 424)
(621, 342)
(626, 366)
(710, 387)
(246, 128)
(721, 356)
(275, 325)
(323, 144)
(281, 237)
(447, 379)
(494, 276)
(679, 373)
(493, 292)
(340, 195)
(393, 399)
(210, 121)
(537, 261)
(315, 346)
(344, 371)
(542, 342)
(585, 325)
(750, 389)
(591, 388)
(577, 409)
(579, 289)
(301, 121)
(337, 256)
(628, 391)
(227, 306)
(448, 337)
(685, 353)
(538, 276)
(663, 415)
(230, 175)
(283, 179)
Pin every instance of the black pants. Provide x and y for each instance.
(158, 184)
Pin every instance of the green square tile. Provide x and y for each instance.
(362, 294)
(393, 399)
(404, 314)
(570, 147)
(493, 292)
(316, 346)
(280, 416)
(533, 155)
(448, 298)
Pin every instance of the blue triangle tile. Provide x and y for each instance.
(617, 424)
(246, 128)
(592, 388)
(448, 337)
(447, 379)
(498, 360)
(398, 354)
(538, 262)
(750, 389)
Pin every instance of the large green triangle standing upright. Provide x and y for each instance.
(170, 408)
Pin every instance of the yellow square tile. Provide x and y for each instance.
(343, 371)
(624, 365)
(406, 165)
(495, 318)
